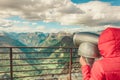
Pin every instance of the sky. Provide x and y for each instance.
(58, 15)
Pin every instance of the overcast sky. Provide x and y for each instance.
(58, 15)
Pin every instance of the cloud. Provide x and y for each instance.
(19, 29)
(101, 13)
(5, 23)
(43, 10)
(94, 13)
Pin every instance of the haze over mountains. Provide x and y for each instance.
(40, 39)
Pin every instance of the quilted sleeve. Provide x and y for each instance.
(96, 73)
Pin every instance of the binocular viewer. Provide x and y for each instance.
(87, 45)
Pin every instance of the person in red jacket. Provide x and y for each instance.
(108, 67)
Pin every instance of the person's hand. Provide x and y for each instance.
(83, 61)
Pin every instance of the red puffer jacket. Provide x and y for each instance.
(108, 68)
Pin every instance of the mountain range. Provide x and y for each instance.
(36, 39)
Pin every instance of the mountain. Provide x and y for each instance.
(57, 39)
(38, 39)
(29, 39)
(7, 41)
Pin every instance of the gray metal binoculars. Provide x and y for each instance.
(87, 45)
